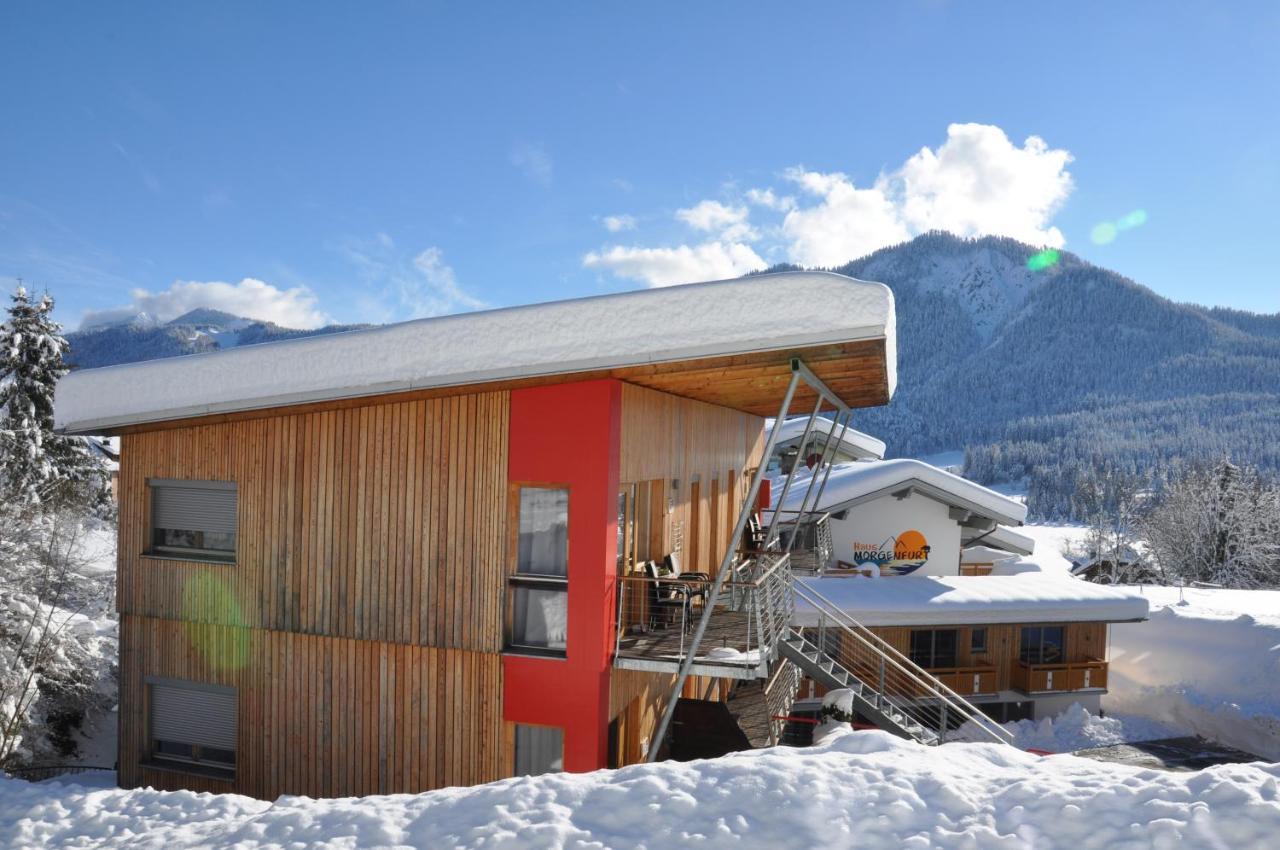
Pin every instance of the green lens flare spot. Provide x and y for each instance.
(1103, 234)
(209, 605)
(1042, 260)
(1137, 218)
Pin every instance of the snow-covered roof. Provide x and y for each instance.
(983, 555)
(752, 314)
(855, 443)
(862, 481)
(1005, 539)
(967, 600)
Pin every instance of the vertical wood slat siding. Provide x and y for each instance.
(381, 522)
(318, 745)
(676, 439)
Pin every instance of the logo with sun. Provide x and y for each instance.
(897, 555)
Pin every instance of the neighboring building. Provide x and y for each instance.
(1001, 547)
(417, 556)
(905, 516)
(1018, 647)
(847, 444)
(1122, 565)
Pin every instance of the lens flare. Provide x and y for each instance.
(1103, 234)
(1042, 260)
(209, 599)
(1137, 218)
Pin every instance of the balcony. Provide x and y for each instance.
(813, 547)
(1088, 675)
(657, 617)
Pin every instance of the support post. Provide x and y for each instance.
(713, 596)
(825, 462)
(786, 487)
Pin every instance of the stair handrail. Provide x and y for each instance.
(905, 665)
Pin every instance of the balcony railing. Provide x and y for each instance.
(813, 547)
(1066, 676)
(656, 617)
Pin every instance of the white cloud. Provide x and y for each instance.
(976, 183)
(729, 223)
(396, 286)
(618, 223)
(845, 224)
(681, 264)
(767, 198)
(534, 161)
(251, 298)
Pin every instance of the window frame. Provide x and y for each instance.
(154, 757)
(515, 747)
(533, 581)
(200, 553)
(933, 648)
(1040, 644)
(976, 648)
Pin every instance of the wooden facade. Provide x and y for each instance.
(362, 620)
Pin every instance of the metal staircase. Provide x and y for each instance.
(889, 689)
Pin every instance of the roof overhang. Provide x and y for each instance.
(965, 511)
(730, 343)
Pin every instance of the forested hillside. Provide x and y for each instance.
(1055, 375)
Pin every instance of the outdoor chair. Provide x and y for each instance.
(667, 599)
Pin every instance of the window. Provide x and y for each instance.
(934, 648)
(977, 641)
(193, 723)
(540, 586)
(539, 749)
(193, 519)
(1042, 645)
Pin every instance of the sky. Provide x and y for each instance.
(308, 163)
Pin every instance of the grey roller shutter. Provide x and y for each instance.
(194, 505)
(194, 715)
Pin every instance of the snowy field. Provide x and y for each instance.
(855, 789)
(1207, 661)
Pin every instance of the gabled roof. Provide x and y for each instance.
(971, 600)
(855, 443)
(856, 482)
(1005, 539)
(727, 342)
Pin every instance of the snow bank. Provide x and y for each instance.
(1210, 664)
(961, 600)
(864, 789)
(1075, 729)
(625, 329)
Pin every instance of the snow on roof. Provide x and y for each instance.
(963, 600)
(854, 442)
(1006, 539)
(756, 313)
(861, 481)
(983, 555)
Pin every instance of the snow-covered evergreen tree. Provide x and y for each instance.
(36, 464)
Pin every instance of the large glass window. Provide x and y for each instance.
(539, 749)
(194, 520)
(1043, 645)
(934, 647)
(540, 587)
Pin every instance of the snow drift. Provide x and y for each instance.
(864, 789)
(1210, 664)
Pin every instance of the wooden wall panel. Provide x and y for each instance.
(705, 449)
(642, 696)
(382, 522)
(380, 718)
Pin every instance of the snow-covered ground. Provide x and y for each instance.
(1077, 729)
(863, 789)
(1207, 661)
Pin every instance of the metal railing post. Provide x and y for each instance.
(748, 508)
(786, 486)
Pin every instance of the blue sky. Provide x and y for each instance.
(370, 162)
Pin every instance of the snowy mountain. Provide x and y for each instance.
(142, 337)
(1045, 374)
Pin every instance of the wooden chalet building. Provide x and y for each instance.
(423, 555)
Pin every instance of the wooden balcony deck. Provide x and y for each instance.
(725, 649)
(1089, 675)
